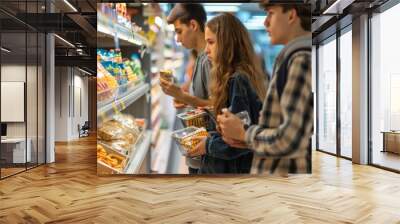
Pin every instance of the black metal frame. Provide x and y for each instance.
(338, 98)
(369, 78)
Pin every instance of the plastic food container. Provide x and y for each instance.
(109, 161)
(196, 118)
(184, 138)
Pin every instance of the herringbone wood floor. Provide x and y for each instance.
(70, 192)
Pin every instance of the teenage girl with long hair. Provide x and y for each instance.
(237, 83)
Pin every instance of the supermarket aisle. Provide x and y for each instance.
(70, 191)
(128, 84)
(177, 163)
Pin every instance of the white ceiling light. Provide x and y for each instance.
(254, 26)
(257, 19)
(5, 50)
(255, 23)
(70, 5)
(158, 21)
(222, 4)
(171, 27)
(221, 8)
(65, 41)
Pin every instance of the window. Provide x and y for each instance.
(346, 95)
(327, 96)
(385, 88)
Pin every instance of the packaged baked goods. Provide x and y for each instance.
(117, 136)
(111, 130)
(185, 138)
(109, 161)
(121, 133)
(128, 121)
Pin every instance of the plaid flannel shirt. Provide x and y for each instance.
(282, 137)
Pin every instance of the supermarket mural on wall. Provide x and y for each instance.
(139, 130)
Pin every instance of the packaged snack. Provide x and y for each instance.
(121, 133)
(167, 75)
(111, 130)
(128, 121)
(185, 138)
(196, 117)
(109, 161)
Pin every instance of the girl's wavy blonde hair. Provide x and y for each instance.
(235, 53)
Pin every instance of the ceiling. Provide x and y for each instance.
(74, 22)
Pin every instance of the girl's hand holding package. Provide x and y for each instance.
(200, 148)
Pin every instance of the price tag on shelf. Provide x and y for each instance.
(123, 105)
(114, 106)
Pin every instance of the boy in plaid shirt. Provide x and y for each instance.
(281, 140)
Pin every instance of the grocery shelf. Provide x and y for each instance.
(123, 33)
(139, 154)
(108, 110)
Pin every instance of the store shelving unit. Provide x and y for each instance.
(139, 155)
(146, 100)
(106, 111)
(135, 100)
(109, 29)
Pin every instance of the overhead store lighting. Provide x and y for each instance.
(255, 23)
(65, 41)
(5, 49)
(171, 27)
(158, 21)
(70, 5)
(223, 4)
(221, 8)
(254, 26)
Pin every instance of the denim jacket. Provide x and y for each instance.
(220, 157)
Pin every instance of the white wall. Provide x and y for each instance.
(61, 103)
(80, 94)
(34, 125)
(14, 73)
(69, 85)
